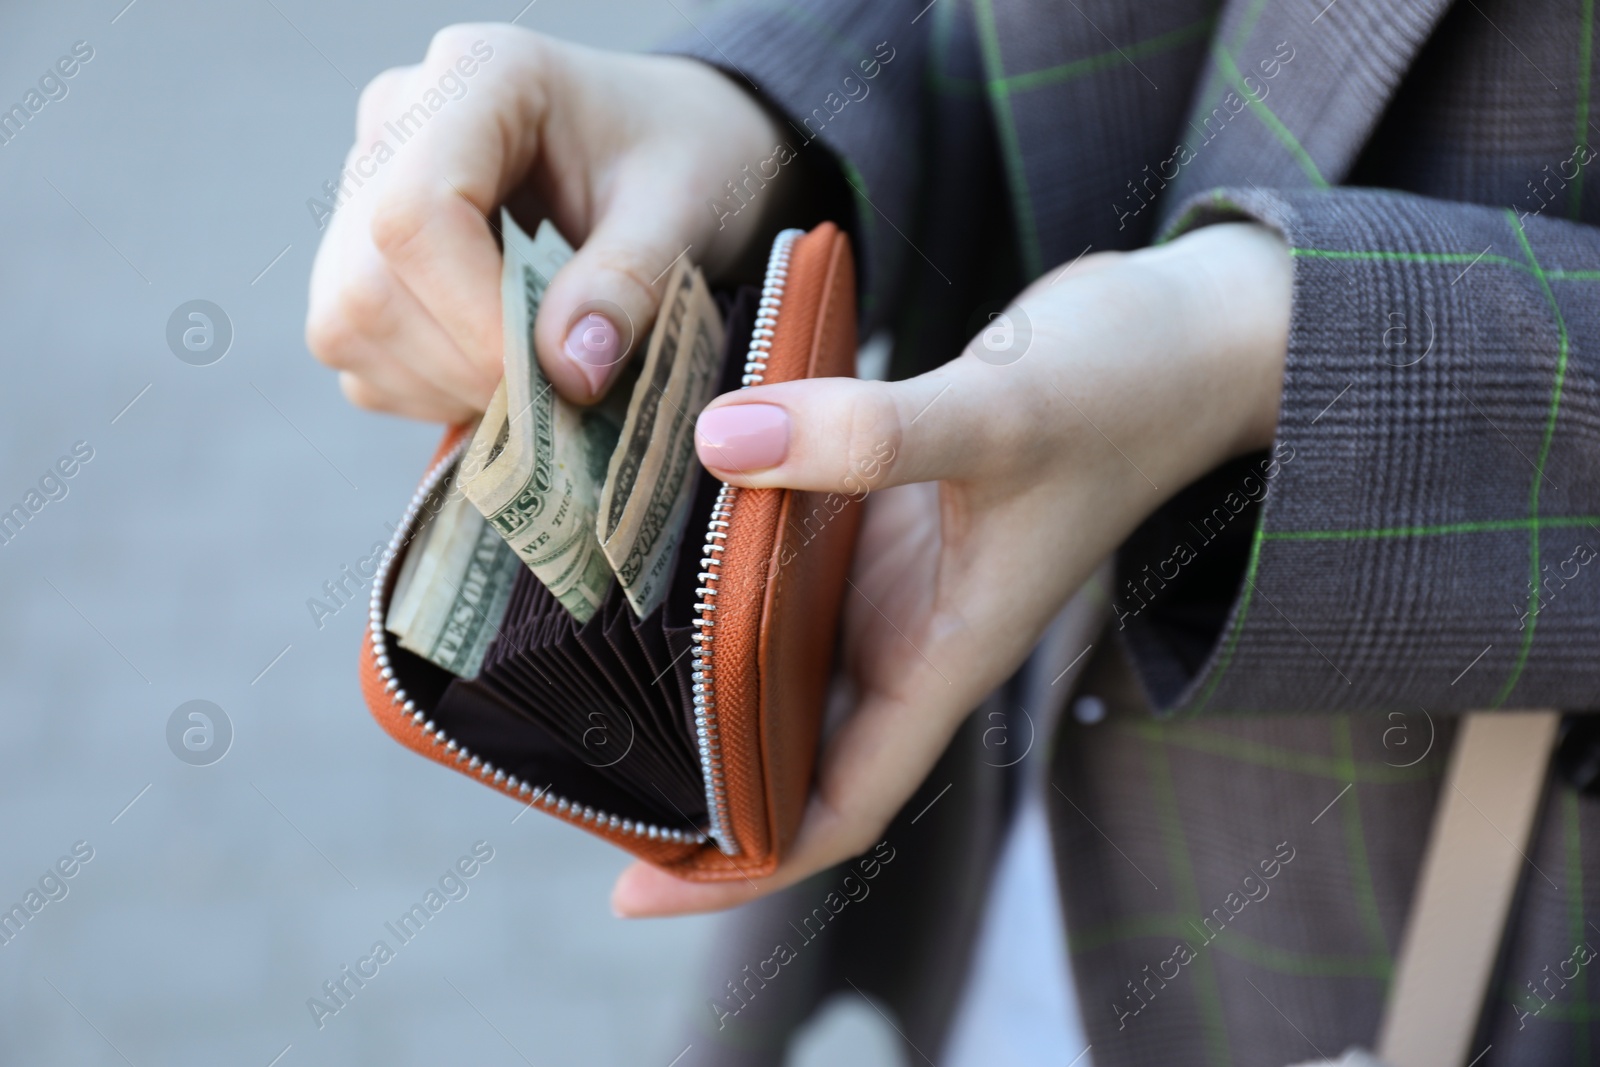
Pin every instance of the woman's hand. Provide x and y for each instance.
(622, 152)
(1004, 478)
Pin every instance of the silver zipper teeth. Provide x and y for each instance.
(704, 675)
(419, 718)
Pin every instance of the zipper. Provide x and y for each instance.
(704, 670)
(416, 718)
(704, 663)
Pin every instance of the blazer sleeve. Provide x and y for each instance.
(1428, 530)
(846, 79)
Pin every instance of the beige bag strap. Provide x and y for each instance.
(1475, 857)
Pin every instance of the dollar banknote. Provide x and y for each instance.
(536, 466)
(653, 472)
(454, 585)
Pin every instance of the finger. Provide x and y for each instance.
(364, 361)
(847, 435)
(357, 302)
(645, 891)
(391, 377)
(406, 403)
(919, 671)
(440, 247)
(376, 102)
(429, 216)
(872, 766)
(599, 308)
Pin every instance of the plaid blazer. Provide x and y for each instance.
(1290, 636)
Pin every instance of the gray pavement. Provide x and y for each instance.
(177, 566)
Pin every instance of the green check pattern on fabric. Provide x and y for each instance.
(1526, 272)
(1007, 79)
(1442, 402)
(1275, 125)
(1199, 806)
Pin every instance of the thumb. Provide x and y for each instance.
(846, 435)
(600, 306)
(644, 891)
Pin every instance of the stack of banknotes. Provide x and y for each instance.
(578, 495)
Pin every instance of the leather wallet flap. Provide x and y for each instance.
(783, 575)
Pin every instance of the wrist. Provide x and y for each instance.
(1231, 286)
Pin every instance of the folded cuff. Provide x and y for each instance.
(1426, 536)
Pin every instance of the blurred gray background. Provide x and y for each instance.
(178, 566)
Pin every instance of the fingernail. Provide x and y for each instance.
(593, 345)
(743, 437)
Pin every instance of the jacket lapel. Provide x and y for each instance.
(1293, 89)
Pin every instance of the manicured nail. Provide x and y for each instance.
(743, 437)
(593, 345)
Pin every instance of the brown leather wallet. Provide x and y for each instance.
(688, 737)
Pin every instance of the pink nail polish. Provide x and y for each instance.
(594, 347)
(743, 437)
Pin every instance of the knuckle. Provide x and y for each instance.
(360, 393)
(454, 40)
(338, 327)
(330, 338)
(376, 94)
(631, 273)
(399, 216)
(444, 39)
(861, 837)
(875, 428)
(326, 341)
(365, 303)
(847, 829)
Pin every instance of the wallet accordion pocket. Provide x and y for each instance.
(687, 737)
